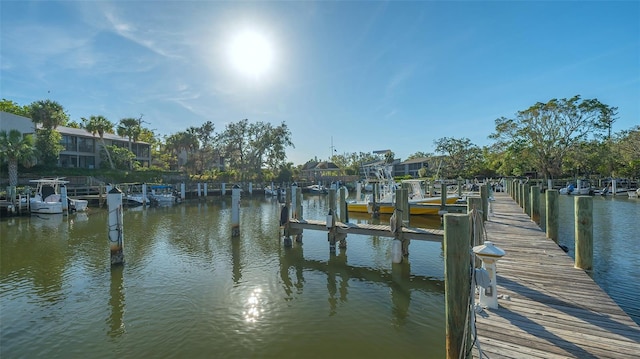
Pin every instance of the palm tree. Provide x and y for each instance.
(130, 128)
(100, 125)
(16, 149)
(49, 114)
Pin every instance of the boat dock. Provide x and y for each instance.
(424, 234)
(547, 308)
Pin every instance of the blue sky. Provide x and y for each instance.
(369, 75)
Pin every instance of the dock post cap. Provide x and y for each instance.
(489, 251)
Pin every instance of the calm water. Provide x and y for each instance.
(189, 290)
(616, 246)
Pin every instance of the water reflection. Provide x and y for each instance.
(115, 320)
(235, 260)
(336, 260)
(253, 307)
(339, 273)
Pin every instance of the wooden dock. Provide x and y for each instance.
(423, 234)
(551, 309)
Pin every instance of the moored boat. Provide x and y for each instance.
(48, 200)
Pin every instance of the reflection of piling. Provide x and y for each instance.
(235, 211)
(116, 235)
(116, 301)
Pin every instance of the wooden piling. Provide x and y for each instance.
(584, 232)
(116, 228)
(342, 205)
(552, 214)
(331, 221)
(457, 280)
(235, 211)
(535, 203)
(443, 198)
(484, 194)
(526, 199)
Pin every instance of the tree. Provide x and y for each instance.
(251, 147)
(419, 154)
(461, 157)
(130, 128)
(48, 146)
(47, 113)
(100, 125)
(626, 149)
(12, 107)
(16, 149)
(549, 130)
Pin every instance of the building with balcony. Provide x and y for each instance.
(81, 148)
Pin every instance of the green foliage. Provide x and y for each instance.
(49, 147)
(12, 107)
(122, 158)
(546, 132)
(16, 149)
(461, 157)
(48, 113)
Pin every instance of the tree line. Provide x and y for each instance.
(567, 137)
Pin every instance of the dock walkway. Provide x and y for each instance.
(547, 308)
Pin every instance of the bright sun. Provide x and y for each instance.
(251, 53)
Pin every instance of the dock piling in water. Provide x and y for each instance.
(235, 211)
(116, 228)
(584, 232)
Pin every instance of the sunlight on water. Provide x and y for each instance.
(188, 289)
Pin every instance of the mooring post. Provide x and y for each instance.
(64, 200)
(183, 191)
(198, 190)
(250, 188)
(116, 228)
(443, 198)
(535, 203)
(342, 204)
(584, 232)
(457, 279)
(298, 232)
(285, 216)
(459, 187)
(484, 194)
(526, 199)
(235, 211)
(294, 200)
(375, 211)
(206, 190)
(223, 189)
(552, 213)
(549, 183)
(331, 220)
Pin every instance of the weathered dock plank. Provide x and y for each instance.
(548, 308)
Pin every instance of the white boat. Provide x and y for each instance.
(618, 187)
(317, 189)
(163, 195)
(583, 188)
(47, 199)
(273, 191)
(78, 205)
(634, 193)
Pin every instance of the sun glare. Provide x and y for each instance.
(251, 53)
